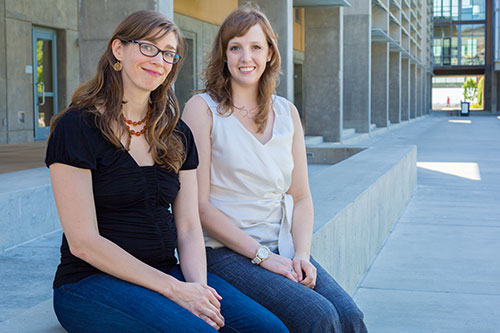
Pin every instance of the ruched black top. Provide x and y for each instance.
(132, 202)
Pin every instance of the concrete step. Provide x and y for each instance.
(313, 140)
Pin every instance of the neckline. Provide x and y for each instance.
(251, 134)
(133, 159)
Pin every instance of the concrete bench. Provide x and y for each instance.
(356, 202)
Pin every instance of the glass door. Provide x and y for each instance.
(44, 80)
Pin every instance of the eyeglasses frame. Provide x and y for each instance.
(177, 57)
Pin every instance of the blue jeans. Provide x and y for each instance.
(102, 303)
(327, 308)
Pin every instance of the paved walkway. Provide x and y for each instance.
(439, 270)
(23, 156)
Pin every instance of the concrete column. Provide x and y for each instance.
(405, 89)
(166, 7)
(413, 92)
(494, 92)
(280, 14)
(419, 92)
(323, 72)
(357, 66)
(380, 84)
(97, 21)
(395, 87)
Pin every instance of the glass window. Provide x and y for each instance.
(473, 44)
(473, 10)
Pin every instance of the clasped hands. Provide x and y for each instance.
(201, 300)
(298, 269)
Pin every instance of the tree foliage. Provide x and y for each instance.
(470, 89)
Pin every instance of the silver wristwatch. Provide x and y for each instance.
(262, 254)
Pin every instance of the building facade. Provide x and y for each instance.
(464, 45)
(349, 66)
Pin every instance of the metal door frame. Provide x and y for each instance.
(41, 133)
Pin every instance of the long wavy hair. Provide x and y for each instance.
(217, 76)
(105, 92)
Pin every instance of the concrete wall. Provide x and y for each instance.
(27, 205)
(203, 34)
(19, 84)
(17, 18)
(97, 21)
(3, 77)
(356, 202)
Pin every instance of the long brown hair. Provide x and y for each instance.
(105, 90)
(217, 76)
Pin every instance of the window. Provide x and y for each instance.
(459, 44)
(465, 10)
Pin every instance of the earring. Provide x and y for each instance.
(117, 66)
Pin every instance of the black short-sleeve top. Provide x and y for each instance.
(132, 202)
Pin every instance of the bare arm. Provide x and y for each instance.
(190, 243)
(75, 203)
(303, 212)
(199, 118)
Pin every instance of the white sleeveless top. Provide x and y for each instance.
(249, 180)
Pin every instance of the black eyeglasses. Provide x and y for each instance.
(149, 50)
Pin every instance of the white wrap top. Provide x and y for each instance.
(249, 180)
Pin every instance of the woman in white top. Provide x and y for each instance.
(254, 198)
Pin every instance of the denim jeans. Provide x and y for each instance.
(102, 303)
(327, 308)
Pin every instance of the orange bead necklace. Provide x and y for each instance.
(137, 123)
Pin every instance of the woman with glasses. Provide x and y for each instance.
(254, 198)
(122, 166)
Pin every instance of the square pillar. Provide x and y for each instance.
(395, 87)
(280, 14)
(413, 90)
(323, 72)
(380, 84)
(357, 66)
(419, 92)
(405, 89)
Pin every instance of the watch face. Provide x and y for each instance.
(263, 253)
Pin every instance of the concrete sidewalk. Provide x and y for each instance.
(439, 270)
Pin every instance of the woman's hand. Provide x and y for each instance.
(280, 265)
(201, 300)
(306, 272)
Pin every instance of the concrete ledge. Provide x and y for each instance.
(39, 319)
(27, 205)
(356, 202)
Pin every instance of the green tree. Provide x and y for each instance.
(470, 89)
(480, 92)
